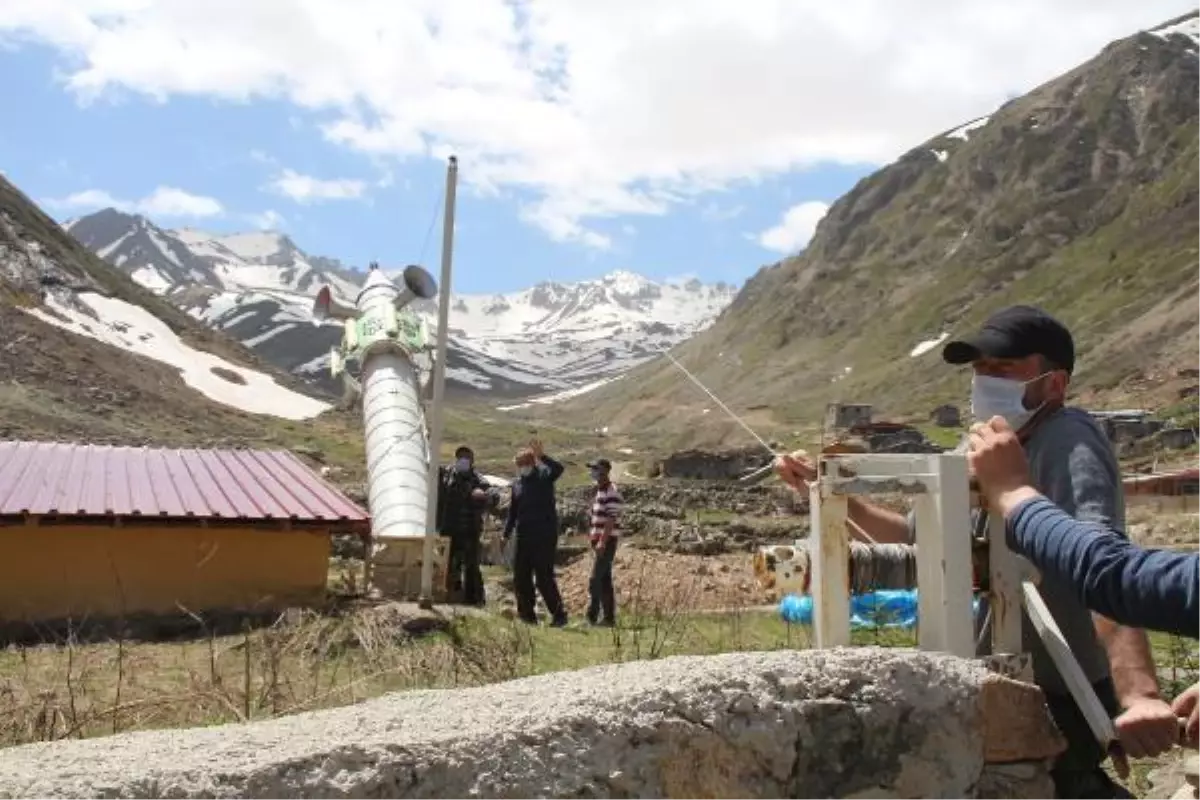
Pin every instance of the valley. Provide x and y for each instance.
(1079, 196)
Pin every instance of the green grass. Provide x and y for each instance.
(942, 437)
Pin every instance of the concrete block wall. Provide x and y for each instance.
(859, 722)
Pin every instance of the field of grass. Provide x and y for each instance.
(70, 689)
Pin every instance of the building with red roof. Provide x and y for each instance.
(105, 532)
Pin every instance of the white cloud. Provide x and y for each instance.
(593, 109)
(267, 220)
(795, 229)
(165, 201)
(307, 189)
(716, 213)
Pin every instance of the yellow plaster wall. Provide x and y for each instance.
(52, 572)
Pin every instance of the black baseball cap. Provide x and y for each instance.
(600, 463)
(1016, 332)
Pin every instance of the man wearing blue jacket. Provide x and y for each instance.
(1146, 588)
(533, 514)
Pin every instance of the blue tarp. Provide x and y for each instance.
(882, 609)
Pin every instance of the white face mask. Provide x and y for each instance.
(1001, 397)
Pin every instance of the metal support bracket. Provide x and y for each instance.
(939, 486)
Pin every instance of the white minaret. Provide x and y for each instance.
(381, 339)
(380, 343)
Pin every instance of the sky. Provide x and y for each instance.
(671, 138)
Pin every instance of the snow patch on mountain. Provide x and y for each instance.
(133, 328)
(558, 397)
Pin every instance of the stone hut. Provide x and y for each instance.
(707, 465)
(1176, 438)
(841, 416)
(946, 416)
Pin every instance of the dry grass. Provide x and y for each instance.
(1151, 528)
(308, 661)
(302, 662)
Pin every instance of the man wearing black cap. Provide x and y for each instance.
(605, 530)
(1022, 361)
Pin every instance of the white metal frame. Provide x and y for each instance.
(941, 491)
(942, 503)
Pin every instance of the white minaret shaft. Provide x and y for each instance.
(379, 341)
(397, 450)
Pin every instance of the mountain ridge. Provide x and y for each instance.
(551, 337)
(64, 376)
(1079, 196)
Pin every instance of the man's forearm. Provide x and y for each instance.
(881, 524)
(1129, 658)
(1128, 648)
(1131, 586)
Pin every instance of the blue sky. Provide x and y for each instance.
(576, 158)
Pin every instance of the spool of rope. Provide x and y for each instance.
(872, 567)
(882, 566)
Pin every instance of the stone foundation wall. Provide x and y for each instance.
(860, 722)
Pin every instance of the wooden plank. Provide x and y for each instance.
(1060, 652)
(1005, 573)
(829, 558)
(944, 578)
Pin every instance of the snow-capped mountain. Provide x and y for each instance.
(164, 260)
(258, 287)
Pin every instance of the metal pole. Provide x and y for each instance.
(439, 386)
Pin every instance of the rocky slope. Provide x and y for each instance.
(1080, 196)
(552, 338)
(87, 353)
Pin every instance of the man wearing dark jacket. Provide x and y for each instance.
(533, 514)
(462, 497)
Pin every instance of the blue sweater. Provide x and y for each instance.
(1153, 589)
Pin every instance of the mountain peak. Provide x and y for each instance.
(1062, 198)
(1187, 25)
(554, 336)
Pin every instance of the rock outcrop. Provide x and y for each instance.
(860, 722)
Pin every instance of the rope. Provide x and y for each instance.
(432, 221)
(874, 567)
(882, 566)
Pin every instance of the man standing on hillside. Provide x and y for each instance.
(463, 495)
(605, 529)
(1023, 360)
(533, 514)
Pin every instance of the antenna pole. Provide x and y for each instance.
(439, 386)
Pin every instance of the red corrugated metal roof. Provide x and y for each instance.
(67, 479)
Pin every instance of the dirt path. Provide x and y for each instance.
(654, 580)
